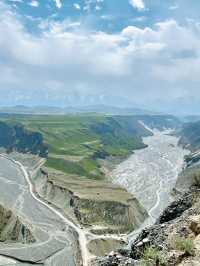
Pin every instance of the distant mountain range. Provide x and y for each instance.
(102, 109)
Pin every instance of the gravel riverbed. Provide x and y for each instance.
(151, 173)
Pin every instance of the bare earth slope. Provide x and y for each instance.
(12, 228)
(98, 205)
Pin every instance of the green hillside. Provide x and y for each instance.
(190, 135)
(17, 137)
(76, 142)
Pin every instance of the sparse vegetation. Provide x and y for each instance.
(184, 244)
(153, 257)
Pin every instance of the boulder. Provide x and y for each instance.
(175, 257)
(190, 262)
(195, 224)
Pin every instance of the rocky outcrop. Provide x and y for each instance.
(173, 224)
(115, 259)
(100, 247)
(113, 215)
(12, 229)
(176, 208)
(175, 236)
(190, 176)
(195, 224)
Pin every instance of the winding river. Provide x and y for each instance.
(151, 173)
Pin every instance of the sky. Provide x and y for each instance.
(129, 53)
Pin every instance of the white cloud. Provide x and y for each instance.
(143, 64)
(138, 4)
(34, 3)
(89, 5)
(107, 17)
(77, 6)
(98, 8)
(58, 27)
(58, 3)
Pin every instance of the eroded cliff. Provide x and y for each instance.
(12, 229)
(101, 206)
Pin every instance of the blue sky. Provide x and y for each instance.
(105, 15)
(121, 52)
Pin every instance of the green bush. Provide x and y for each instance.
(152, 257)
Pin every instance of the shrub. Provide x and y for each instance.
(184, 244)
(152, 257)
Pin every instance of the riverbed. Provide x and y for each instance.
(56, 241)
(151, 173)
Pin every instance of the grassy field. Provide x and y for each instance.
(75, 142)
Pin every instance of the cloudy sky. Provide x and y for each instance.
(119, 52)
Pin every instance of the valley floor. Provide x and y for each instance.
(56, 240)
(150, 174)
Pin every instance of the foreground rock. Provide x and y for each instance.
(173, 240)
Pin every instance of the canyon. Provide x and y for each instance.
(95, 216)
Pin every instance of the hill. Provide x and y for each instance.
(16, 137)
(76, 142)
(190, 135)
(99, 109)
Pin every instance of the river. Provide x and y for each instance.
(151, 173)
